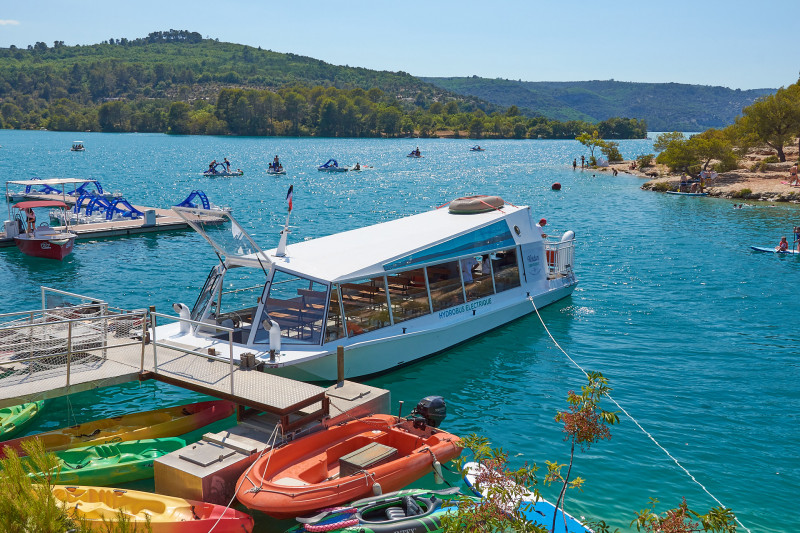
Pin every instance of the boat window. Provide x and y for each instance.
(207, 293)
(408, 295)
(445, 283)
(333, 327)
(365, 307)
(506, 270)
(477, 273)
(238, 296)
(297, 305)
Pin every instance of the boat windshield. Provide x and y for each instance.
(297, 305)
(225, 234)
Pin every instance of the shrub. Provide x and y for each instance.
(662, 187)
(771, 159)
(744, 193)
(611, 151)
(645, 160)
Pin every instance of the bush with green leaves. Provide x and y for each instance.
(771, 159)
(611, 150)
(645, 160)
(662, 187)
(28, 505)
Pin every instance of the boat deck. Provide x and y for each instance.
(166, 220)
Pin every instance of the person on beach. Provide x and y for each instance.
(614, 171)
(574, 164)
(783, 246)
(793, 175)
(583, 159)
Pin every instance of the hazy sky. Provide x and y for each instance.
(710, 42)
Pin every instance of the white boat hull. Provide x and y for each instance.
(388, 353)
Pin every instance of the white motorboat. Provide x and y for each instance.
(390, 294)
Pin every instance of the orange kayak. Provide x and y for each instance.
(342, 464)
(97, 505)
(169, 422)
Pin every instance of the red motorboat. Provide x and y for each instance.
(42, 241)
(367, 456)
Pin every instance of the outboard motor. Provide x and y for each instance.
(430, 411)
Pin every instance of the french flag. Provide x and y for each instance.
(289, 196)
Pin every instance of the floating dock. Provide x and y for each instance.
(155, 219)
(165, 220)
(83, 343)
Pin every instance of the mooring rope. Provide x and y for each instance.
(269, 446)
(631, 417)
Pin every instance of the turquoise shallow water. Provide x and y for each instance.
(696, 333)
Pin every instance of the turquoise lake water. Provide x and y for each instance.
(697, 334)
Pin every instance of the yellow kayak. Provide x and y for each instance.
(166, 513)
(169, 422)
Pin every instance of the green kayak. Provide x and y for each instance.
(105, 465)
(14, 419)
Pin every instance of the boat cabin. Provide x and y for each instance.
(360, 283)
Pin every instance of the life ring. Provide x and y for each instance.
(468, 205)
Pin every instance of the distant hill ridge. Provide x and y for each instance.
(665, 106)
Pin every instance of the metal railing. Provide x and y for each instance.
(560, 257)
(153, 324)
(58, 342)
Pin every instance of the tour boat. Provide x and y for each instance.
(96, 507)
(344, 463)
(77, 146)
(279, 172)
(42, 240)
(390, 294)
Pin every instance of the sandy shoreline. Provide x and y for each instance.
(742, 183)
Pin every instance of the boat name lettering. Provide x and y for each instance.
(464, 308)
(533, 259)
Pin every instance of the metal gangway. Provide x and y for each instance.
(76, 343)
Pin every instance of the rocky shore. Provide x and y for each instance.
(755, 179)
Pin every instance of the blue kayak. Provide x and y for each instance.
(538, 512)
(772, 250)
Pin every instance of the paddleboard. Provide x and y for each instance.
(540, 512)
(772, 250)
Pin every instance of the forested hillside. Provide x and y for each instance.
(178, 82)
(664, 106)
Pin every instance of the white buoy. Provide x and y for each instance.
(569, 235)
(377, 490)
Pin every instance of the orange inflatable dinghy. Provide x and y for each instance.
(344, 463)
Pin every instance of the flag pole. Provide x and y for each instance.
(281, 251)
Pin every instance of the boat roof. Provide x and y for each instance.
(39, 203)
(403, 243)
(49, 181)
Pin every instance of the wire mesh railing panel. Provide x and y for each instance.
(62, 346)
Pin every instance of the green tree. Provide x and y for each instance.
(585, 423)
(682, 520)
(611, 150)
(178, 118)
(774, 119)
(591, 142)
(476, 128)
